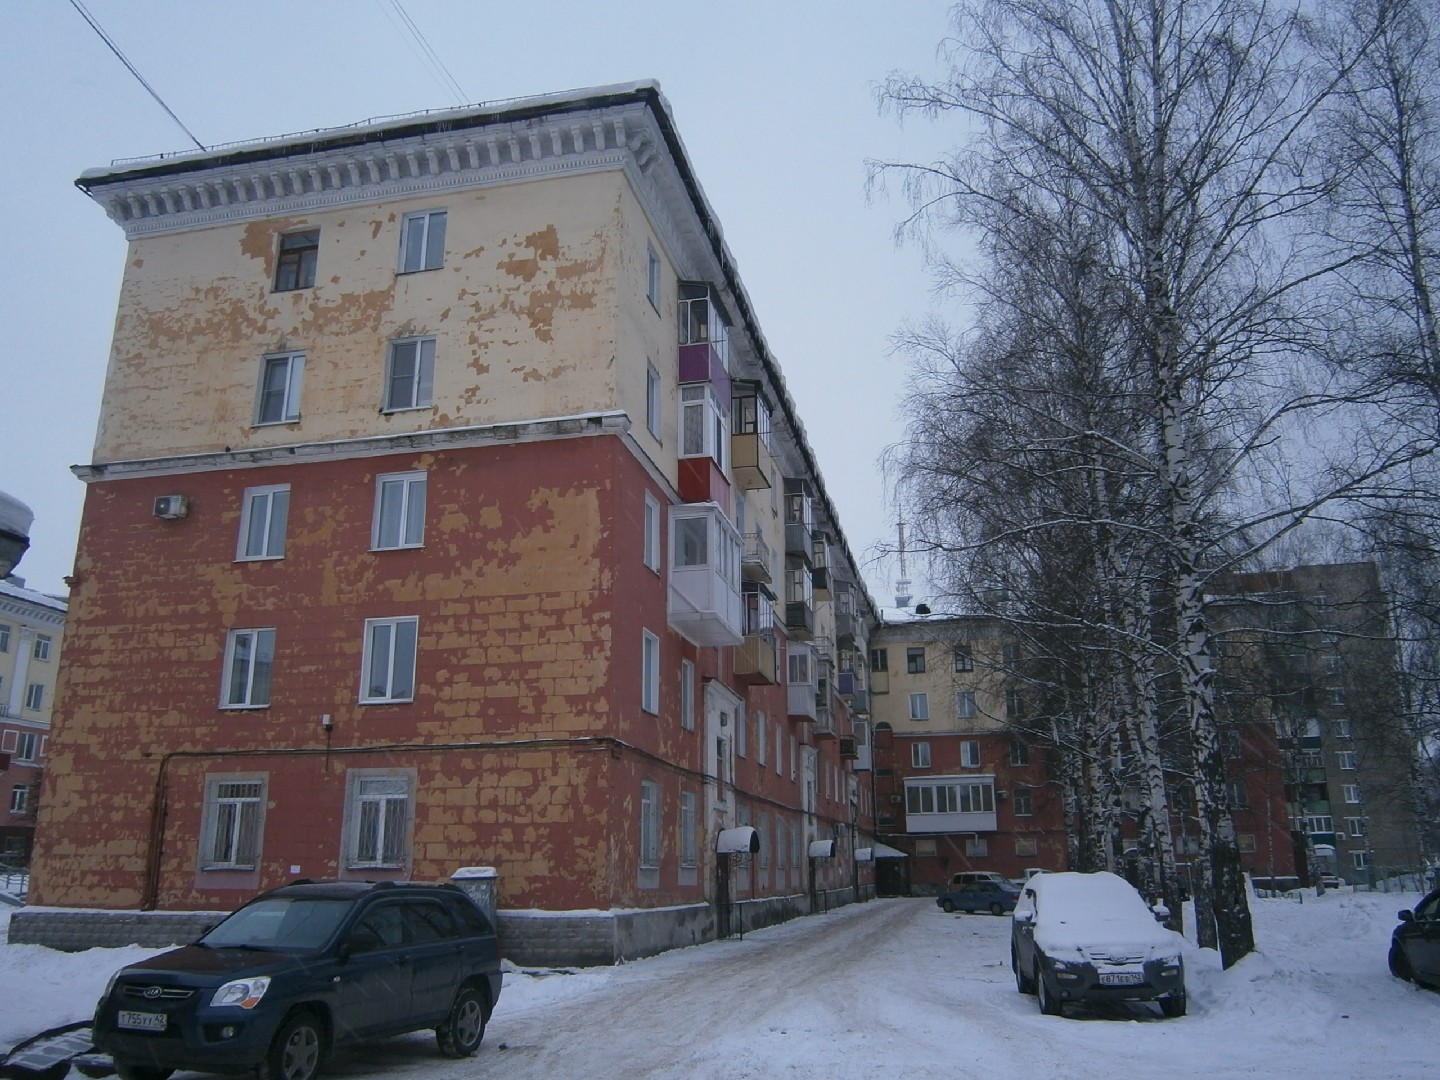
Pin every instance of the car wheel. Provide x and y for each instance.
(1174, 1005)
(1024, 985)
(459, 1036)
(948, 907)
(996, 908)
(1049, 1004)
(126, 1071)
(296, 1052)
(1399, 965)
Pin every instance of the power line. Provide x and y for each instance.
(427, 55)
(78, 6)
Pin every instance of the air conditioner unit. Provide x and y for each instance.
(170, 507)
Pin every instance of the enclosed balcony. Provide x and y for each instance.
(799, 519)
(752, 459)
(704, 332)
(820, 566)
(755, 559)
(801, 684)
(704, 600)
(847, 626)
(799, 600)
(848, 749)
(757, 658)
(704, 445)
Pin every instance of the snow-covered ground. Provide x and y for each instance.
(892, 988)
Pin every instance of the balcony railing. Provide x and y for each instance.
(755, 559)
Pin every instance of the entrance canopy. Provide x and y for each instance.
(743, 840)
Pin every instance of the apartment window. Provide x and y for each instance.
(964, 657)
(652, 399)
(1351, 794)
(965, 707)
(1360, 860)
(1239, 798)
(377, 817)
(976, 847)
(27, 747)
(919, 707)
(422, 241)
(1019, 752)
(1333, 664)
(1337, 695)
(34, 695)
(970, 754)
(279, 395)
(20, 799)
(389, 660)
(1026, 846)
(410, 374)
(1343, 729)
(794, 758)
(704, 425)
(650, 673)
(399, 511)
(949, 797)
(687, 696)
(1014, 704)
(1010, 656)
(879, 659)
(295, 267)
(1230, 741)
(1245, 843)
(742, 737)
(1346, 760)
(41, 649)
(263, 516)
(232, 816)
(652, 276)
(779, 751)
(1316, 824)
(649, 825)
(915, 661)
(1355, 826)
(920, 755)
(651, 548)
(4, 637)
(689, 849)
(1022, 804)
(760, 742)
(249, 659)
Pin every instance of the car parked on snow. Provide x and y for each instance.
(1415, 944)
(965, 877)
(1090, 938)
(996, 897)
(301, 970)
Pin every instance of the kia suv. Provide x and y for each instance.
(300, 971)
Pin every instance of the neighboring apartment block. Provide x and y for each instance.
(961, 780)
(447, 508)
(32, 629)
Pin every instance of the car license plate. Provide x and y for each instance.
(1121, 978)
(142, 1021)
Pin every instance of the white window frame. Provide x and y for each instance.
(1355, 826)
(651, 549)
(1022, 803)
(386, 646)
(970, 753)
(1351, 794)
(920, 755)
(249, 687)
(1343, 729)
(422, 247)
(920, 706)
(761, 742)
(742, 735)
(1360, 860)
(1345, 759)
(233, 821)
(415, 390)
(687, 695)
(379, 818)
(20, 799)
(27, 748)
(291, 367)
(704, 424)
(650, 672)
(4, 637)
(652, 398)
(35, 696)
(40, 650)
(405, 528)
(264, 516)
(650, 848)
(966, 707)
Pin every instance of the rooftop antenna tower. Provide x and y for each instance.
(902, 584)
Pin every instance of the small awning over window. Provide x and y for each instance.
(822, 849)
(739, 841)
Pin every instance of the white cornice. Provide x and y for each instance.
(550, 428)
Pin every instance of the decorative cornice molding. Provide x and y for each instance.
(583, 425)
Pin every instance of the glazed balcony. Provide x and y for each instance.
(705, 604)
(801, 682)
(820, 566)
(704, 332)
(752, 460)
(799, 520)
(799, 599)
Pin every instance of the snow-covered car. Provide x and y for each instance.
(1415, 944)
(1091, 938)
(996, 897)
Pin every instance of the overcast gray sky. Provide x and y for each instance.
(775, 103)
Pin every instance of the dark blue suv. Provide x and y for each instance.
(300, 971)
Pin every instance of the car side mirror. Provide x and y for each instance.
(1025, 917)
(1161, 912)
(1406, 916)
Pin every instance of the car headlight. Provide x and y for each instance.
(245, 993)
